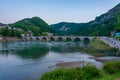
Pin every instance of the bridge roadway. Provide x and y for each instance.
(57, 38)
(111, 42)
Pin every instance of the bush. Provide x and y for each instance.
(90, 72)
(60, 74)
(86, 73)
(112, 67)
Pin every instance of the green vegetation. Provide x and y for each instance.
(99, 48)
(36, 25)
(10, 32)
(110, 77)
(88, 72)
(117, 28)
(110, 71)
(112, 67)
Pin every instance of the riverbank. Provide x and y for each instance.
(10, 39)
(70, 64)
(105, 59)
(98, 48)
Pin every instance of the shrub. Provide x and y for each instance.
(86, 73)
(112, 67)
(90, 72)
(60, 74)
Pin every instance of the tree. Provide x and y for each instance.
(117, 25)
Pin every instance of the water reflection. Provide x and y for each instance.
(35, 50)
(67, 47)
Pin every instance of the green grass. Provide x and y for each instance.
(110, 77)
(99, 48)
(112, 67)
(88, 72)
(97, 44)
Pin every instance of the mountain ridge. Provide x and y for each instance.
(101, 26)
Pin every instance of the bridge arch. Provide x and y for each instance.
(44, 39)
(37, 38)
(68, 39)
(77, 39)
(60, 39)
(86, 41)
(31, 38)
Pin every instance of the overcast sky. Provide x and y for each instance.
(54, 11)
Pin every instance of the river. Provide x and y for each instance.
(29, 60)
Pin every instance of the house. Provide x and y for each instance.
(47, 33)
(3, 25)
(112, 33)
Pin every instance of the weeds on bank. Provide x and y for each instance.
(110, 71)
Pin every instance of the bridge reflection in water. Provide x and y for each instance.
(36, 50)
(58, 38)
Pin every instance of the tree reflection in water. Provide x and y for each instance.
(35, 50)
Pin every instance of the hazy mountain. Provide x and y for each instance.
(65, 28)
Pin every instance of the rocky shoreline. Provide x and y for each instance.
(70, 64)
(82, 63)
(107, 58)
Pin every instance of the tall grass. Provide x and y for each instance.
(112, 67)
(86, 73)
(110, 71)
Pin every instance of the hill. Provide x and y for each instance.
(101, 26)
(36, 25)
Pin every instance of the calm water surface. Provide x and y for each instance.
(29, 60)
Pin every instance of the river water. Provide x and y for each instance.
(29, 60)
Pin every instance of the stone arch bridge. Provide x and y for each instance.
(58, 38)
